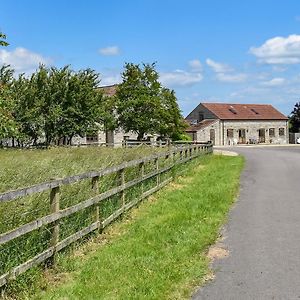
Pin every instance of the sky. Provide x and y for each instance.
(229, 51)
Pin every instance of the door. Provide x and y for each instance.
(242, 136)
(212, 136)
(261, 135)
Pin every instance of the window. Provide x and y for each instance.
(281, 131)
(253, 110)
(232, 110)
(201, 116)
(90, 138)
(271, 132)
(230, 133)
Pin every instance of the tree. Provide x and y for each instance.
(295, 118)
(2, 40)
(8, 126)
(172, 124)
(144, 106)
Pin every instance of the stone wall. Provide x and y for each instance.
(248, 129)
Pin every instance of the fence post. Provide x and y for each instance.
(54, 208)
(95, 188)
(157, 168)
(122, 178)
(142, 173)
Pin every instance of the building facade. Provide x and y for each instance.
(232, 124)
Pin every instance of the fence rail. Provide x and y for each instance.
(162, 162)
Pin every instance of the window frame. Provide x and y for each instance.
(281, 131)
(273, 130)
(231, 130)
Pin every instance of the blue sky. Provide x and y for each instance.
(213, 51)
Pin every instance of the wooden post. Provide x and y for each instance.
(54, 207)
(95, 188)
(142, 173)
(122, 179)
(158, 175)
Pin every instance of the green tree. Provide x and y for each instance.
(294, 118)
(172, 124)
(8, 126)
(3, 40)
(57, 104)
(138, 99)
(144, 106)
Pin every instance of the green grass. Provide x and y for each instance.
(20, 168)
(159, 250)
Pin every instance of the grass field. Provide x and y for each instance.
(21, 168)
(159, 250)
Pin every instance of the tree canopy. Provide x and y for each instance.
(144, 106)
(52, 104)
(3, 40)
(295, 118)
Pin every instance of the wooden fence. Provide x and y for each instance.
(163, 162)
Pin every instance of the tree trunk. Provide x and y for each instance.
(140, 136)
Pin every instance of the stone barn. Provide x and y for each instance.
(232, 124)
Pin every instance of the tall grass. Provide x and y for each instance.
(21, 168)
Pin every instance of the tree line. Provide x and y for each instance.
(55, 104)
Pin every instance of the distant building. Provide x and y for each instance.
(231, 124)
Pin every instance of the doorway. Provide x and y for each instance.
(242, 136)
(212, 136)
(261, 135)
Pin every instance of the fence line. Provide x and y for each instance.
(170, 159)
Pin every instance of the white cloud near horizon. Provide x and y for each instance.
(274, 82)
(180, 78)
(111, 79)
(22, 60)
(279, 50)
(110, 51)
(195, 65)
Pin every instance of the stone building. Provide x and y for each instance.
(231, 124)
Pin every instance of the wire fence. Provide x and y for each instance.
(40, 220)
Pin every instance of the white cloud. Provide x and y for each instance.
(225, 73)
(239, 77)
(110, 51)
(279, 50)
(22, 60)
(195, 65)
(180, 78)
(111, 79)
(218, 67)
(274, 82)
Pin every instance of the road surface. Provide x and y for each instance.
(263, 232)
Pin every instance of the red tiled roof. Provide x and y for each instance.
(201, 125)
(225, 111)
(109, 90)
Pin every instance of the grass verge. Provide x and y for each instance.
(159, 250)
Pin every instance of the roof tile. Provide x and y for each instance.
(225, 111)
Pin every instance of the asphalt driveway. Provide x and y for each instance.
(263, 232)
